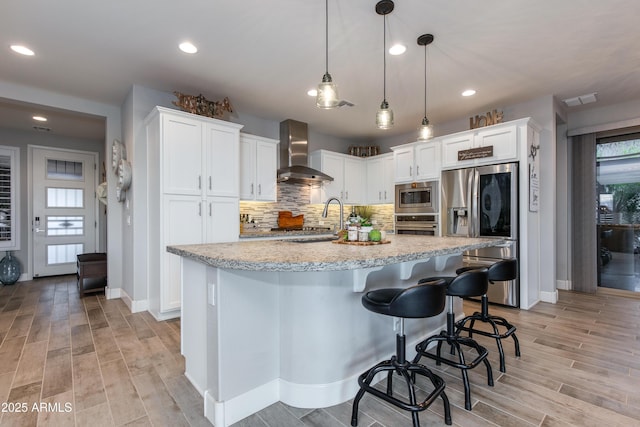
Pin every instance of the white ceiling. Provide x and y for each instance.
(265, 55)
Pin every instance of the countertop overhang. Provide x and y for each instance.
(283, 255)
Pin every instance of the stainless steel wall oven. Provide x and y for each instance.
(424, 225)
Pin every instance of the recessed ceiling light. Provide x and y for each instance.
(397, 49)
(22, 50)
(188, 47)
(469, 92)
(312, 92)
(40, 118)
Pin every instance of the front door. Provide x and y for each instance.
(64, 209)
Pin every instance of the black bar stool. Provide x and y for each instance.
(423, 300)
(468, 284)
(500, 271)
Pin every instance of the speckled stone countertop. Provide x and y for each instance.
(250, 233)
(286, 255)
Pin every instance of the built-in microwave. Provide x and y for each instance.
(417, 197)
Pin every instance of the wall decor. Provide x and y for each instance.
(201, 106)
(475, 153)
(118, 152)
(491, 118)
(534, 179)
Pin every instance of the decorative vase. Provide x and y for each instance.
(9, 269)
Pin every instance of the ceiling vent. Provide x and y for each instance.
(581, 100)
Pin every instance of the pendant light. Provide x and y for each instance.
(384, 116)
(425, 131)
(327, 96)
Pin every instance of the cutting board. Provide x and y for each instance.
(287, 220)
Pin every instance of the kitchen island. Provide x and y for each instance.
(280, 320)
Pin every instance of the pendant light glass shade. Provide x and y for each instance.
(327, 93)
(384, 116)
(425, 131)
(327, 96)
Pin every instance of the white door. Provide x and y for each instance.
(64, 209)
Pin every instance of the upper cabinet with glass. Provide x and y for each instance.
(9, 203)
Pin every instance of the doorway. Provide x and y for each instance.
(618, 227)
(63, 208)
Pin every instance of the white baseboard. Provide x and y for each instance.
(133, 305)
(564, 285)
(223, 414)
(551, 297)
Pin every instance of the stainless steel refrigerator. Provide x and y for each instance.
(483, 202)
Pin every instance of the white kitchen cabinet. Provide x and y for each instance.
(348, 173)
(503, 138)
(417, 161)
(181, 155)
(221, 155)
(192, 187)
(380, 179)
(196, 156)
(258, 168)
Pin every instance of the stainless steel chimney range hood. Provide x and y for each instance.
(294, 155)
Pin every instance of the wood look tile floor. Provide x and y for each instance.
(91, 362)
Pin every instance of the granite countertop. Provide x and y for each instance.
(255, 233)
(286, 255)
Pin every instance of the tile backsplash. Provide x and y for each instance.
(295, 198)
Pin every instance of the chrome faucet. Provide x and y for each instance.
(326, 207)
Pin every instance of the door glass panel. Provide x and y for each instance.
(65, 197)
(63, 169)
(65, 226)
(618, 189)
(495, 205)
(63, 254)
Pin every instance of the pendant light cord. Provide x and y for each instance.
(425, 80)
(384, 58)
(326, 34)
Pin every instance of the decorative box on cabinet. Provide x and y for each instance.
(193, 175)
(380, 179)
(258, 168)
(417, 161)
(348, 174)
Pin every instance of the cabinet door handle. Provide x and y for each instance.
(410, 170)
(342, 195)
(379, 195)
(385, 194)
(210, 183)
(200, 209)
(210, 209)
(417, 169)
(252, 188)
(259, 189)
(199, 182)
(346, 195)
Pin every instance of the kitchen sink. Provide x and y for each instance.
(312, 239)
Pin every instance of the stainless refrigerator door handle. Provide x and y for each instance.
(471, 203)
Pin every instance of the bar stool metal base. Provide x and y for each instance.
(495, 322)
(456, 342)
(407, 370)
